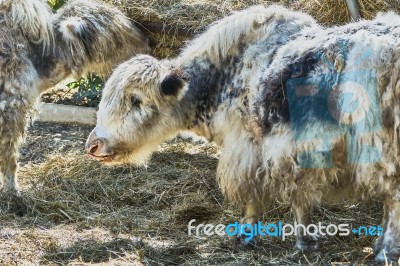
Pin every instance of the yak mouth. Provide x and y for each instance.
(136, 156)
(109, 158)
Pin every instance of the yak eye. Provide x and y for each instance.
(135, 101)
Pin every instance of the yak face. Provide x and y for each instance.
(93, 36)
(139, 109)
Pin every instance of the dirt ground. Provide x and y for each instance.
(74, 211)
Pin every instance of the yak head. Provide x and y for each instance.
(139, 109)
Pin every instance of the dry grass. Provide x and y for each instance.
(334, 12)
(75, 211)
(169, 23)
(178, 20)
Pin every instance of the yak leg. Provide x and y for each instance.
(251, 214)
(240, 179)
(9, 145)
(388, 245)
(18, 95)
(12, 132)
(305, 242)
(379, 241)
(8, 173)
(252, 211)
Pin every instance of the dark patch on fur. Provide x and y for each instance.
(203, 86)
(1, 85)
(231, 86)
(223, 86)
(44, 65)
(388, 118)
(273, 107)
(173, 83)
(210, 86)
(274, 101)
(88, 37)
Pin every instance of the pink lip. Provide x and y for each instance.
(104, 159)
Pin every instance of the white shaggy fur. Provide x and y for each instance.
(71, 28)
(32, 17)
(250, 25)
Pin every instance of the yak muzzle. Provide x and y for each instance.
(96, 148)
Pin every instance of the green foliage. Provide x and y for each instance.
(88, 90)
(56, 4)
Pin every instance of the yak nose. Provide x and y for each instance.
(93, 147)
(93, 144)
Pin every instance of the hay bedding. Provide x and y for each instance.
(75, 211)
(170, 23)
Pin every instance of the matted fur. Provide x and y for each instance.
(93, 36)
(18, 93)
(38, 49)
(32, 18)
(248, 26)
(365, 46)
(229, 86)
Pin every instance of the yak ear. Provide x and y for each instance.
(174, 82)
(75, 28)
(71, 28)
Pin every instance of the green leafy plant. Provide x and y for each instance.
(88, 90)
(56, 4)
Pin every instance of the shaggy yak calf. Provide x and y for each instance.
(38, 49)
(303, 114)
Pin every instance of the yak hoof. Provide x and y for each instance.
(378, 245)
(12, 192)
(391, 257)
(307, 244)
(13, 202)
(248, 243)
